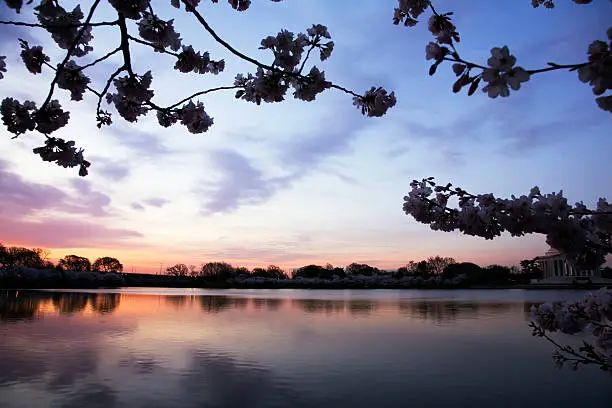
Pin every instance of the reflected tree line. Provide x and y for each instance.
(26, 305)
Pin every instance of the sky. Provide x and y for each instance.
(299, 182)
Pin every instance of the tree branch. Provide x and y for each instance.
(221, 41)
(220, 88)
(69, 53)
(162, 50)
(24, 24)
(91, 64)
(125, 45)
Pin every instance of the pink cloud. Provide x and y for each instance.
(63, 233)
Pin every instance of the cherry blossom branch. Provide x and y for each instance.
(221, 41)
(67, 25)
(220, 88)
(148, 44)
(69, 52)
(107, 86)
(567, 349)
(90, 89)
(125, 45)
(501, 74)
(259, 64)
(108, 55)
(312, 47)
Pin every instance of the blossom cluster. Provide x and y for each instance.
(64, 27)
(592, 314)
(132, 95)
(583, 235)
(598, 71)
(63, 153)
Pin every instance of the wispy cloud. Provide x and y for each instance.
(240, 183)
(31, 213)
(111, 169)
(243, 183)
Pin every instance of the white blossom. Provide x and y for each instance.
(266, 86)
(33, 57)
(308, 87)
(501, 59)
(433, 51)
(240, 5)
(287, 49)
(567, 228)
(195, 118)
(63, 153)
(132, 94)
(17, 117)
(166, 118)
(408, 11)
(72, 78)
(159, 32)
(130, 8)
(598, 72)
(375, 102)
(63, 26)
(51, 117)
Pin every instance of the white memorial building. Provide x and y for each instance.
(556, 269)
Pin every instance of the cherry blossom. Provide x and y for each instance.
(33, 57)
(195, 118)
(375, 102)
(583, 235)
(159, 32)
(592, 314)
(72, 78)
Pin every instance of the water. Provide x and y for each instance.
(283, 348)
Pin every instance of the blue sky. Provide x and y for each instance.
(297, 182)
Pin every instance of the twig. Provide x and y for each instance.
(138, 40)
(306, 58)
(91, 64)
(108, 84)
(220, 88)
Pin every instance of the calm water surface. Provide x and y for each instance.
(283, 348)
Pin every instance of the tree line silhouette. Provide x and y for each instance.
(435, 271)
(38, 258)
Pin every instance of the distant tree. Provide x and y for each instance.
(241, 270)
(401, 272)
(276, 272)
(472, 271)
(606, 272)
(531, 269)
(361, 269)
(193, 271)
(18, 256)
(312, 271)
(422, 270)
(217, 270)
(107, 264)
(178, 271)
(496, 274)
(436, 264)
(75, 263)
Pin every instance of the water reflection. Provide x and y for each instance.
(124, 350)
(27, 305)
(13, 308)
